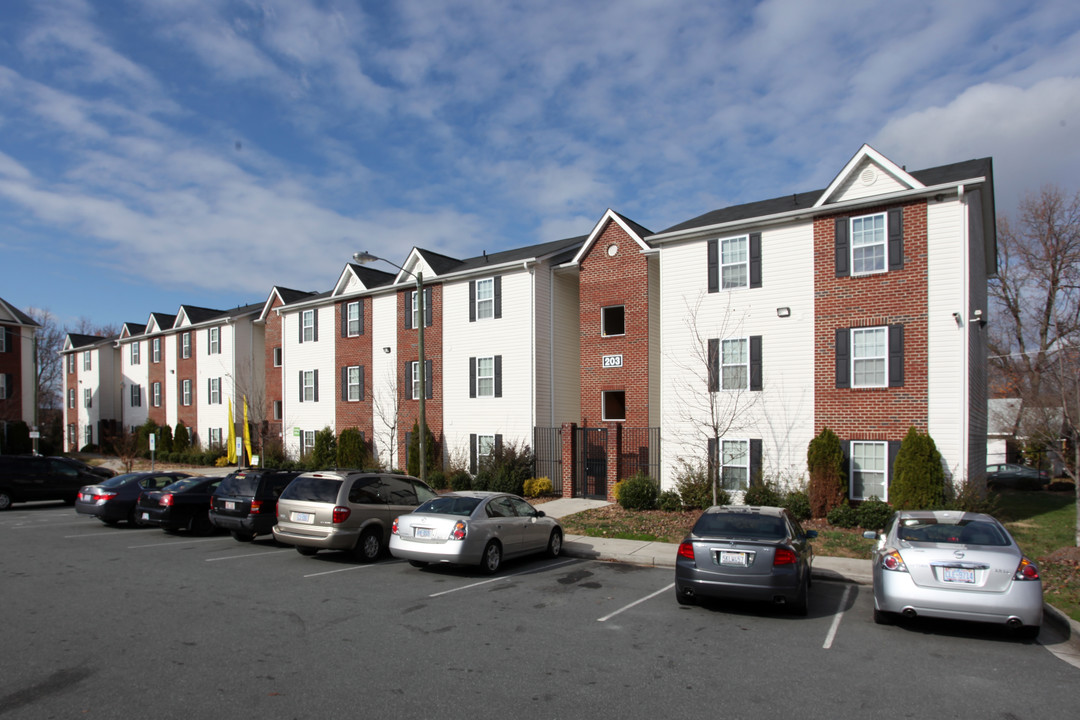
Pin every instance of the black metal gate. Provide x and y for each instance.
(639, 452)
(590, 463)
(547, 451)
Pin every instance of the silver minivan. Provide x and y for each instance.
(351, 510)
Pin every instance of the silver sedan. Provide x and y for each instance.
(474, 528)
(955, 565)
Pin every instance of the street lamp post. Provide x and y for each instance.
(366, 257)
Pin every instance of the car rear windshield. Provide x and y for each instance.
(242, 485)
(965, 532)
(740, 525)
(118, 480)
(183, 485)
(313, 489)
(463, 506)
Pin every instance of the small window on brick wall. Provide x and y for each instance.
(614, 405)
(613, 320)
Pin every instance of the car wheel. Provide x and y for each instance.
(801, 605)
(492, 558)
(370, 546)
(554, 546)
(5, 500)
(884, 618)
(684, 599)
(418, 563)
(243, 536)
(306, 550)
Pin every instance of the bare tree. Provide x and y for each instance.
(387, 417)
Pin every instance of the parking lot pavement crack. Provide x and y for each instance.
(60, 681)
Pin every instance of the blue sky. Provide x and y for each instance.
(159, 152)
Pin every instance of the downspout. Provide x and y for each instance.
(532, 347)
(965, 416)
(551, 347)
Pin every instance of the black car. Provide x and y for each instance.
(746, 552)
(1014, 475)
(25, 478)
(114, 499)
(98, 470)
(245, 502)
(184, 505)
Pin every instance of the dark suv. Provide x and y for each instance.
(245, 503)
(24, 478)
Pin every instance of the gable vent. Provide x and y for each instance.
(868, 176)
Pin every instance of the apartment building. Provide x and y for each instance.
(91, 389)
(17, 374)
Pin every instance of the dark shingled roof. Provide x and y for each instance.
(553, 248)
(20, 316)
(196, 315)
(288, 295)
(82, 341)
(135, 328)
(806, 200)
(640, 230)
(163, 320)
(371, 277)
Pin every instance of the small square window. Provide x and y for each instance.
(614, 405)
(613, 319)
(277, 357)
(277, 409)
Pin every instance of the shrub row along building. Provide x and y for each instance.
(732, 338)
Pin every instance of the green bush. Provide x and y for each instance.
(873, 514)
(323, 454)
(798, 504)
(181, 438)
(147, 429)
(843, 516)
(828, 479)
(164, 440)
(273, 454)
(413, 463)
(695, 490)
(351, 452)
(460, 481)
(638, 492)
(918, 481)
(506, 469)
(763, 493)
(1062, 486)
(535, 487)
(669, 501)
(89, 448)
(437, 479)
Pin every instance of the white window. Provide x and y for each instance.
(414, 368)
(72, 435)
(416, 310)
(88, 397)
(3, 339)
(157, 394)
(277, 357)
(215, 341)
(309, 442)
(71, 363)
(735, 262)
(134, 353)
(155, 351)
(185, 345)
(88, 435)
(735, 364)
(485, 299)
(485, 445)
(309, 385)
(307, 321)
(614, 402)
(868, 357)
(86, 360)
(186, 392)
(136, 395)
(868, 470)
(215, 437)
(352, 318)
(613, 320)
(353, 378)
(71, 397)
(3, 384)
(735, 464)
(868, 244)
(485, 377)
(215, 391)
(277, 409)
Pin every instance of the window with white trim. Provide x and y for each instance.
(135, 353)
(277, 357)
(416, 308)
(3, 385)
(3, 339)
(308, 437)
(734, 262)
(86, 361)
(307, 323)
(309, 385)
(71, 397)
(614, 405)
(485, 446)
(869, 357)
(868, 244)
(215, 391)
(88, 435)
(735, 364)
(185, 393)
(72, 435)
(277, 409)
(868, 470)
(353, 380)
(185, 345)
(155, 350)
(613, 320)
(136, 395)
(485, 376)
(735, 464)
(71, 363)
(414, 368)
(485, 300)
(157, 394)
(215, 341)
(88, 397)
(215, 437)
(352, 319)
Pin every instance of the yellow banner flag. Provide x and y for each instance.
(247, 431)
(230, 445)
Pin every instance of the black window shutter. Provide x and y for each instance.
(843, 358)
(896, 356)
(472, 301)
(344, 383)
(315, 327)
(344, 309)
(428, 309)
(714, 364)
(713, 265)
(301, 386)
(755, 463)
(361, 382)
(427, 380)
(316, 380)
(894, 448)
(408, 309)
(498, 442)
(207, 341)
(895, 223)
(360, 313)
(498, 296)
(845, 448)
(472, 377)
(755, 260)
(755, 362)
(301, 317)
(221, 391)
(408, 380)
(472, 453)
(842, 255)
(498, 376)
(7, 340)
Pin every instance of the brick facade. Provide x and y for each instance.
(351, 351)
(273, 378)
(156, 374)
(186, 369)
(408, 351)
(11, 409)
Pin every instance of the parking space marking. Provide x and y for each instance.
(179, 542)
(42, 524)
(345, 569)
(624, 608)
(501, 577)
(836, 619)
(103, 533)
(237, 557)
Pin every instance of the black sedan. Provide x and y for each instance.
(1016, 476)
(184, 505)
(113, 500)
(745, 552)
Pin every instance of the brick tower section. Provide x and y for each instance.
(354, 351)
(71, 414)
(893, 297)
(273, 382)
(408, 351)
(156, 374)
(188, 369)
(11, 364)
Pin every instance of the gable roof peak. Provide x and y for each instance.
(866, 155)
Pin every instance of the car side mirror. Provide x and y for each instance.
(811, 534)
(870, 535)
(540, 513)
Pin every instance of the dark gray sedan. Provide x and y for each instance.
(112, 501)
(745, 552)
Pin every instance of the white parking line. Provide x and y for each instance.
(84, 523)
(347, 569)
(237, 557)
(119, 534)
(180, 542)
(501, 577)
(836, 619)
(636, 602)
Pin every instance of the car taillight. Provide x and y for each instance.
(102, 497)
(460, 530)
(165, 500)
(341, 514)
(256, 507)
(686, 550)
(784, 556)
(393, 528)
(892, 561)
(1027, 570)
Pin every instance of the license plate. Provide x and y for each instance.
(308, 518)
(423, 532)
(729, 557)
(958, 575)
(146, 516)
(85, 497)
(230, 505)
